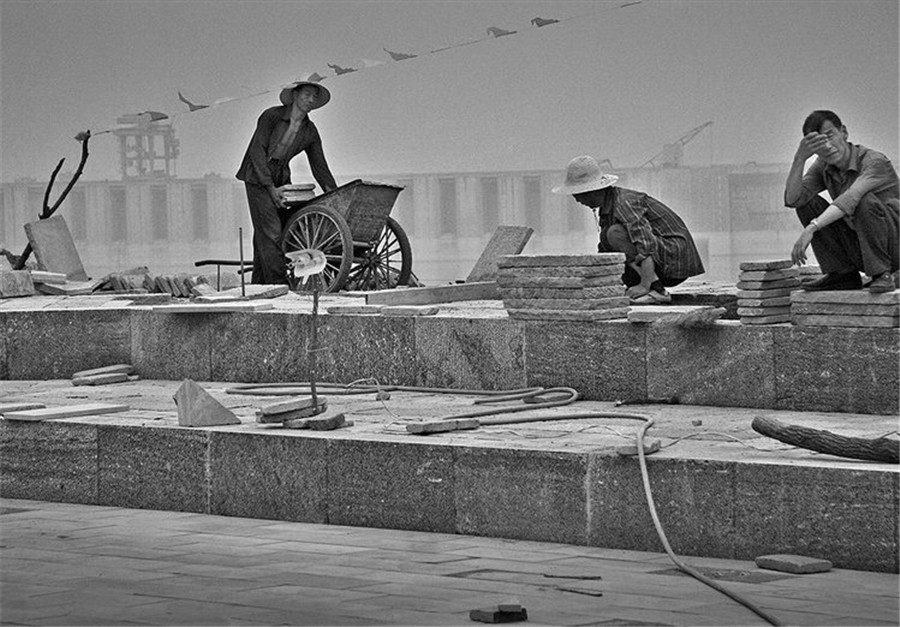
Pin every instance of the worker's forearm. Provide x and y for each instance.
(793, 188)
(831, 214)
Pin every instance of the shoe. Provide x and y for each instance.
(834, 281)
(882, 283)
(653, 298)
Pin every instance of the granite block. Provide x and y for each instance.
(367, 347)
(602, 360)
(831, 369)
(687, 494)
(269, 475)
(726, 364)
(153, 468)
(172, 346)
(260, 347)
(521, 494)
(470, 354)
(48, 461)
(846, 516)
(391, 485)
(52, 344)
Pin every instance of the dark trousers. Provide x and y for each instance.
(269, 264)
(614, 239)
(870, 245)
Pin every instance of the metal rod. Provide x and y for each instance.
(241, 248)
(314, 342)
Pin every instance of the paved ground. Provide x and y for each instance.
(65, 564)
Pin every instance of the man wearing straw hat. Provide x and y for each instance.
(282, 132)
(659, 250)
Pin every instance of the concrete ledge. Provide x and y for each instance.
(728, 364)
(709, 508)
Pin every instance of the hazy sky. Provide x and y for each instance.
(617, 83)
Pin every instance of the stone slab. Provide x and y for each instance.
(486, 290)
(587, 315)
(263, 475)
(767, 319)
(506, 240)
(213, 308)
(252, 292)
(769, 275)
(48, 461)
(567, 304)
(782, 301)
(409, 310)
(100, 379)
(524, 281)
(559, 272)
(837, 369)
(816, 320)
(339, 310)
(663, 313)
(846, 309)
(574, 354)
(153, 468)
(847, 297)
(15, 283)
(546, 490)
(394, 485)
(69, 288)
(469, 354)
(70, 411)
(52, 344)
(766, 294)
(779, 264)
(256, 348)
(42, 276)
(530, 261)
(174, 347)
(609, 291)
(796, 564)
(766, 311)
(6, 407)
(720, 365)
(271, 409)
(54, 247)
(114, 368)
(382, 347)
(768, 285)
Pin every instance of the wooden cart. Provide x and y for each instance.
(365, 248)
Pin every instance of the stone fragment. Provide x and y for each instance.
(510, 605)
(196, 408)
(662, 313)
(780, 264)
(16, 283)
(42, 276)
(330, 423)
(254, 292)
(628, 450)
(796, 564)
(120, 368)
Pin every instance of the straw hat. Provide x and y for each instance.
(584, 175)
(287, 96)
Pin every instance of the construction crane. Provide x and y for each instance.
(670, 156)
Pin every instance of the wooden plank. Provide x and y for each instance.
(529, 261)
(213, 307)
(434, 295)
(857, 297)
(54, 247)
(780, 264)
(846, 321)
(506, 240)
(72, 411)
(846, 309)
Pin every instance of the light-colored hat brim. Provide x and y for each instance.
(287, 99)
(600, 182)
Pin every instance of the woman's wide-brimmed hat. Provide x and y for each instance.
(583, 175)
(287, 96)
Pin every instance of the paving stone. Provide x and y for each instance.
(768, 285)
(587, 315)
(844, 309)
(469, 354)
(783, 301)
(612, 278)
(101, 379)
(382, 348)
(769, 275)
(780, 264)
(54, 248)
(855, 297)
(567, 304)
(559, 272)
(260, 476)
(115, 368)
(52, 344)
(766, 319)
(172, 347)
(768, 311)
(260, 348)
(554, 292)
(600, 259)
(797, 564)
(817, 320)
(16, 283)
(766, 294)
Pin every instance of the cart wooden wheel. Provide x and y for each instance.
(386, 263)
(320, 228)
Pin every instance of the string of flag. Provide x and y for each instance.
(395, 56)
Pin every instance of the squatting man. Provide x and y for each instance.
(658, 247)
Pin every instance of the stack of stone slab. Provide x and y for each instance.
(852, 308)
(563, 287)
(764, 291)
